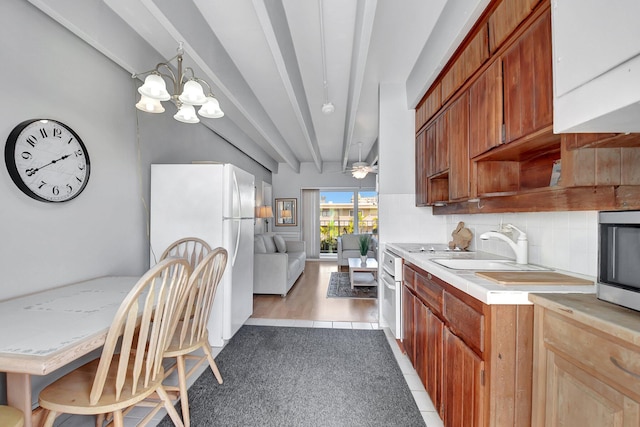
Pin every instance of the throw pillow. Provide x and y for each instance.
(350, 242)
(258, 245)
(280, 243)
(269, 244)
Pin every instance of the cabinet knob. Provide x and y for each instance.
(429, 276)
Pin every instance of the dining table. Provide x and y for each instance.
(44, 331)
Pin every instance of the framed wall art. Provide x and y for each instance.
(286, 212)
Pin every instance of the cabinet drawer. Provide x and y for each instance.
(610, 360)
(429, 291)
(464, 321)
(408, 276)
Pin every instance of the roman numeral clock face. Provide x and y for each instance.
(47, 160)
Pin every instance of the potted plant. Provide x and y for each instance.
(363, 241)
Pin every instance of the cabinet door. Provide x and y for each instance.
(575, 398)
(420, 312)
(421, 169)
(441, 143)
(463, 389)
(528, 86)
(507, 16)
(433, 354)
(485, 111)
(458, 133)
(408, 325)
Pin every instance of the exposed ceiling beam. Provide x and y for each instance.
(274, 24)
(366, 12)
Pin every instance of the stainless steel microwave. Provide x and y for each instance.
(619, 258)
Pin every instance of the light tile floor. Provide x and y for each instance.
(421, 397)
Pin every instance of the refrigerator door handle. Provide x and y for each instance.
(235, 252)
(236, 194)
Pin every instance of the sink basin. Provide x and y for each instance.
(486, 265)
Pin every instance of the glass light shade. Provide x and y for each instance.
(211, 109)
(192, 94)
(149, 105)
(186, 114)
(359, 173)
(154, 87)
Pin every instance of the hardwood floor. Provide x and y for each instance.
(307, 300)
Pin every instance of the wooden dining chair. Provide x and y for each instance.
(127, 373)
(11, 417)
(192, 249)
(191, 334)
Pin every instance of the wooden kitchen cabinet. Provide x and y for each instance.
(432, 162)
(485, 111)
(475, 360)
(472, 56)
(422, 168)
(505, 18)
(528, 81)
(463, 387)
(588, 362)
(458, 137)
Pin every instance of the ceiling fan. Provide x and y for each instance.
(360, 169)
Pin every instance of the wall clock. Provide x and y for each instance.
(47, 160)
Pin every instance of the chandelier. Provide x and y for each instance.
(187, 92)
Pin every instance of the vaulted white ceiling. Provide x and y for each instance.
(263, 59)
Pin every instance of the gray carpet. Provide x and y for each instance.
(277, 376)
(340, 287)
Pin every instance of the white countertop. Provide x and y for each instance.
(485, 290)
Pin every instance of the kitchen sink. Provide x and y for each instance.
(486, 265)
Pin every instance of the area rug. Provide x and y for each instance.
(298, 377)
(340, 287)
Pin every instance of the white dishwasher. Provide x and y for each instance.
(392, 291)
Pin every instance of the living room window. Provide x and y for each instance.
(346, 212)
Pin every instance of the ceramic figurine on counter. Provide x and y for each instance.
(462, 237)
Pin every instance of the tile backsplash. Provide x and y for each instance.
(562, 240)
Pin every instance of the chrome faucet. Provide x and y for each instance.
(520, 248)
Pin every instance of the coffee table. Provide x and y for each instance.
(363, 274)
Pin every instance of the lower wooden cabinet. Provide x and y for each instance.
(588, 363)
(475, 360)
(463, 385)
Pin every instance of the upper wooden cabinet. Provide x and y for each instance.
(596, 61)
(485, 111)
(428, 106)
(505, 18)
(471, 58)
(528, 83)
(493, 135)
(458, 125)
(422, 168)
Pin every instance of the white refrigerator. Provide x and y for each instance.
(214, 202)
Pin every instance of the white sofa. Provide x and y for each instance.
(349, 247)
(277, 263)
